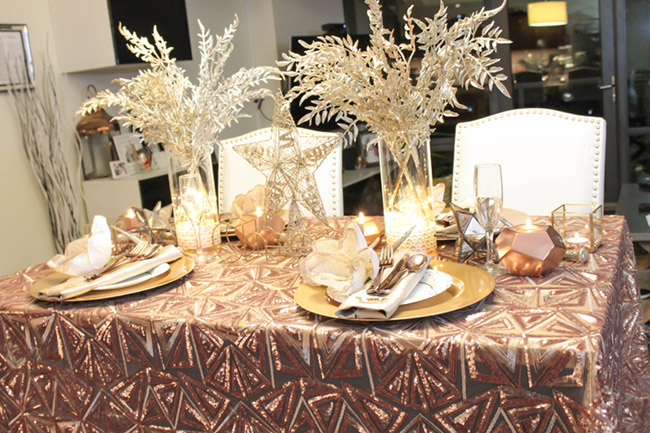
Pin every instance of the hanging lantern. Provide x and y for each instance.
(95, 133)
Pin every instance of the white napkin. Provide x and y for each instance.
(88, 253)
(360, 305)
(77, 285)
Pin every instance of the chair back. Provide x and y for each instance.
(237, 176)
(547, 158)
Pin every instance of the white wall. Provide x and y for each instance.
(24, 222)
(265, 29)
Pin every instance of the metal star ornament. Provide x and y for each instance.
(471, 234)
(288, 161)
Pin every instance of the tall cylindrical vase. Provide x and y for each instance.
(406, 179)
(209, 222)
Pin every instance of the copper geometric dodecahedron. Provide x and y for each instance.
(530, 253)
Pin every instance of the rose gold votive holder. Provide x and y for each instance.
(369, 226)
(254, 233)
(530, 250)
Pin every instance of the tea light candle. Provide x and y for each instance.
(254, 233)
(528, 227)
(577, 242)
(130, 220)
(368, 226)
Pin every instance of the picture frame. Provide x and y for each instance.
(16, 63)
(119, 169)
(127, 147)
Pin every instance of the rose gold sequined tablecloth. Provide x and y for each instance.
(226, 349)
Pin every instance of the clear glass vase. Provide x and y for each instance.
(208, 233)
(407, 189)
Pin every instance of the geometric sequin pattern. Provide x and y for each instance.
(226, 349)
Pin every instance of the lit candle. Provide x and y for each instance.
(254, 233)
(528, 227)
(130, 220)
(577, 241)
(368, 226)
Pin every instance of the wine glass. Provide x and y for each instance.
(488, 191)
(193, 202)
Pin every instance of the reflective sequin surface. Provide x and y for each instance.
(226, 349)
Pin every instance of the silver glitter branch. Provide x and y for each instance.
(374, 85)
(38, 113)
(167, 108)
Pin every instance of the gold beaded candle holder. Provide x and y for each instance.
(580, 225)
(255, 232)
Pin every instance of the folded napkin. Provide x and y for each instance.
(88, 253)
(360, 305)
(77, 285)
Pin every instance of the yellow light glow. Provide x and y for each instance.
(547, 14)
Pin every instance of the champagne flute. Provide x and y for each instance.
(193, 201)
(488, 191)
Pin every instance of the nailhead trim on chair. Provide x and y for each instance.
(458, 149)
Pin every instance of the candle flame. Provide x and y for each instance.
(258, 211)
(361, 218)
(529, 224)
(130, 213)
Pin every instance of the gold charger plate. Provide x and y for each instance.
(470, 285)
(177, 269)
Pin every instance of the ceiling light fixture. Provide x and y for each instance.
(546, 14)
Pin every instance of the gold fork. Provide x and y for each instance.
(385, 261)
(139, 250)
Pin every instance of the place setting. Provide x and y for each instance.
(90, 269)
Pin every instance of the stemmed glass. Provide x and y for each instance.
(488, 191)
(193, 202)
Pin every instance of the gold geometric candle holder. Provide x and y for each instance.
(580, 225)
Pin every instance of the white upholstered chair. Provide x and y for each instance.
(237, 176)
(547, 158)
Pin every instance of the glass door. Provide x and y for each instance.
(633, 65)
(568, 66)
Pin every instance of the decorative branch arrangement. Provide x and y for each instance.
(38, 113)
(167, 108)
(375, 86)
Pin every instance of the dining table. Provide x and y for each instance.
(227, 349)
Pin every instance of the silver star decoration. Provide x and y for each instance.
(471, 234)
(155, 223)
(288, 163)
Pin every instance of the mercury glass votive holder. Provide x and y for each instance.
(580, 225)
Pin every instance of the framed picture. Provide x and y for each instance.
(16, 65)
(119, 169)
(127, 147)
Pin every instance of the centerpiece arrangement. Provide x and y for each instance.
(166, 107)
(375, 86)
